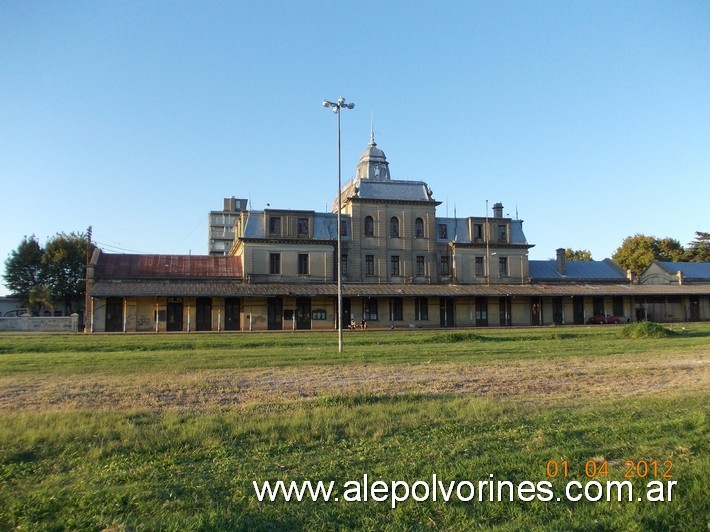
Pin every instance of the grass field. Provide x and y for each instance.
(170, 432)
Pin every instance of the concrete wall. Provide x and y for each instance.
(68, 324)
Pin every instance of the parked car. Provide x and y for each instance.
(16, 312)
(605, 319)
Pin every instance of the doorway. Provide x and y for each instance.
(578, 310)
(535, 311)
(274, 312)
(232, 310)
(347, 313)
(694, 308)
(303, 313)
(558, 316)
(203, 309)
(481, 312)
(446, 312)
(114, 314)
(504, 310)
(174, 318)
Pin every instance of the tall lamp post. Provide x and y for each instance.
(337, 106)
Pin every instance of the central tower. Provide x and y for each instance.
(373, 164)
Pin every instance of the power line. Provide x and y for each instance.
(117, 248)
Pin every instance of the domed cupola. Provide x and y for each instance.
(373, 164)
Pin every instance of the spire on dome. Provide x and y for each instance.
(373, 163)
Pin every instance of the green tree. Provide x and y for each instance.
(670, 250)
(699, 249)
(23, 268)
(578, 254)
(40, 298)
(64, 268)
(637, 252)
(58, 268)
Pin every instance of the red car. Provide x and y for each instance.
(605, 320)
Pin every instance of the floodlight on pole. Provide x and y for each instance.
(337, 106)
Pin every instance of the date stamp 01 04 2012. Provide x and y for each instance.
(657, 471)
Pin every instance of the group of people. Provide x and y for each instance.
(354, 325)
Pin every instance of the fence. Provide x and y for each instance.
(67, 324)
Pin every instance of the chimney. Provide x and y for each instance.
(561, 261)
(680, 277)
(498, 210)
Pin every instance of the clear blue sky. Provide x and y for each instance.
(590, 118)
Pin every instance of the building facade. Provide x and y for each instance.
(401, 264)
(220, 236)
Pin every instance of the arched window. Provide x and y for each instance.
(369, 226)
(394, 226)
(419, 228)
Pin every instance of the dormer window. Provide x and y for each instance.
(477, 232)
(303, 227)
(502, 233)
(443, 232)
(275, 226)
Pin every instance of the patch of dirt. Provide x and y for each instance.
(535, 381)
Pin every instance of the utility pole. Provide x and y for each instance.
(87, 299)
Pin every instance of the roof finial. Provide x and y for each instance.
(372, 131)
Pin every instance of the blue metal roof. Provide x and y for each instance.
(393, 190)
(589, 270)
(255, 226)
(457, 230)
(691, 270)
(324, 225)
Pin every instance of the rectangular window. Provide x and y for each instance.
(503, 266)
(445, 265)
(421, 309)
(480, 272)
(396, 306)
(421, 265)
(344, 264)
(369, 311)
(443, 232)
(394, 262)
(502, 233)
(369, 265)
(477, 232)
(275, 263)
(343, 228)
(275, 226)
(303, 264)
(303, 227)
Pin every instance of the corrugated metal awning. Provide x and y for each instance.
(225, 288)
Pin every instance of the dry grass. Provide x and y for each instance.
(534, 381)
